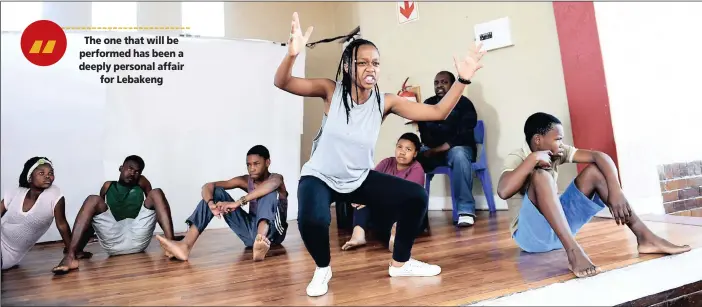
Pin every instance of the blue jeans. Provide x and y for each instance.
(459, 159)
(535, 235)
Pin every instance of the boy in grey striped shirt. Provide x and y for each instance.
(263, 225)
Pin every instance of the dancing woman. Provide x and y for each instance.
(341, 165)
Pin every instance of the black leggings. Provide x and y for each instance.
(388, 194)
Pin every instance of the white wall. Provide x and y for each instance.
(73, 14)
(195, 128)
(95, 133)
(159, 13)
(652, 63)
(49, 122)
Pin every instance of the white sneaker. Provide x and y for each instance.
(466, 220)
(415, 268)
(318, 286)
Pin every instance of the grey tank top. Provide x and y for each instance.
(342, 153)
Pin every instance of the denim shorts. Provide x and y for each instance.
(535, 235)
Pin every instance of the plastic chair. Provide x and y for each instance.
(480, 168)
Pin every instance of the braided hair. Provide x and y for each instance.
(348, 57)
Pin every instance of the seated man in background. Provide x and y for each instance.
(124, 216)
(451, 143)
(546, 221)
(265, 224)
(402, 165)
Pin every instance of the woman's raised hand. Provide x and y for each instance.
(468, 65)
(297, 41)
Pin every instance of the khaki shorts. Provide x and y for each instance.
(127, 236)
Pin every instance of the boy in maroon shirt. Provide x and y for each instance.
(403, 165)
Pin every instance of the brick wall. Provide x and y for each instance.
(681, 186)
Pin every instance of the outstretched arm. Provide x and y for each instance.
(422, 112)
(322, 88)
(61, 222)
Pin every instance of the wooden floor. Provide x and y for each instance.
(478, 263)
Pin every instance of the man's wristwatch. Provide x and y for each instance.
(243, 200)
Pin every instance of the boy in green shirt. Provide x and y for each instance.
(123, 217)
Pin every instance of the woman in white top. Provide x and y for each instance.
(28, 211)
(341, 165)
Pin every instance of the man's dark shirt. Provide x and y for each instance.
(456, 130)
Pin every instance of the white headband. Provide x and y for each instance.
(40, 162)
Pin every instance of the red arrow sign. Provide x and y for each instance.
(407, 9)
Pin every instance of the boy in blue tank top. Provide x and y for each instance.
(341, 165)
(264, 225)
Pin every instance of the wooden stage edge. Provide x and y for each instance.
(478, 263)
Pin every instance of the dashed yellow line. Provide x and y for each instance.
(128, 28)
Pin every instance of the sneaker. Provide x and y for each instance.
(318, 286)
(465, 220)
(414, 268)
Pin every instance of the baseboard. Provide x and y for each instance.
(669, 272)
(443, 203)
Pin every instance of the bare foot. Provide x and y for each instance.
(66, 265)
(84, 255)
(657, 245)
(177, 249)
(80, 254)
(260, 247)
(166, 252)
(353, 243)
(579, 263)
